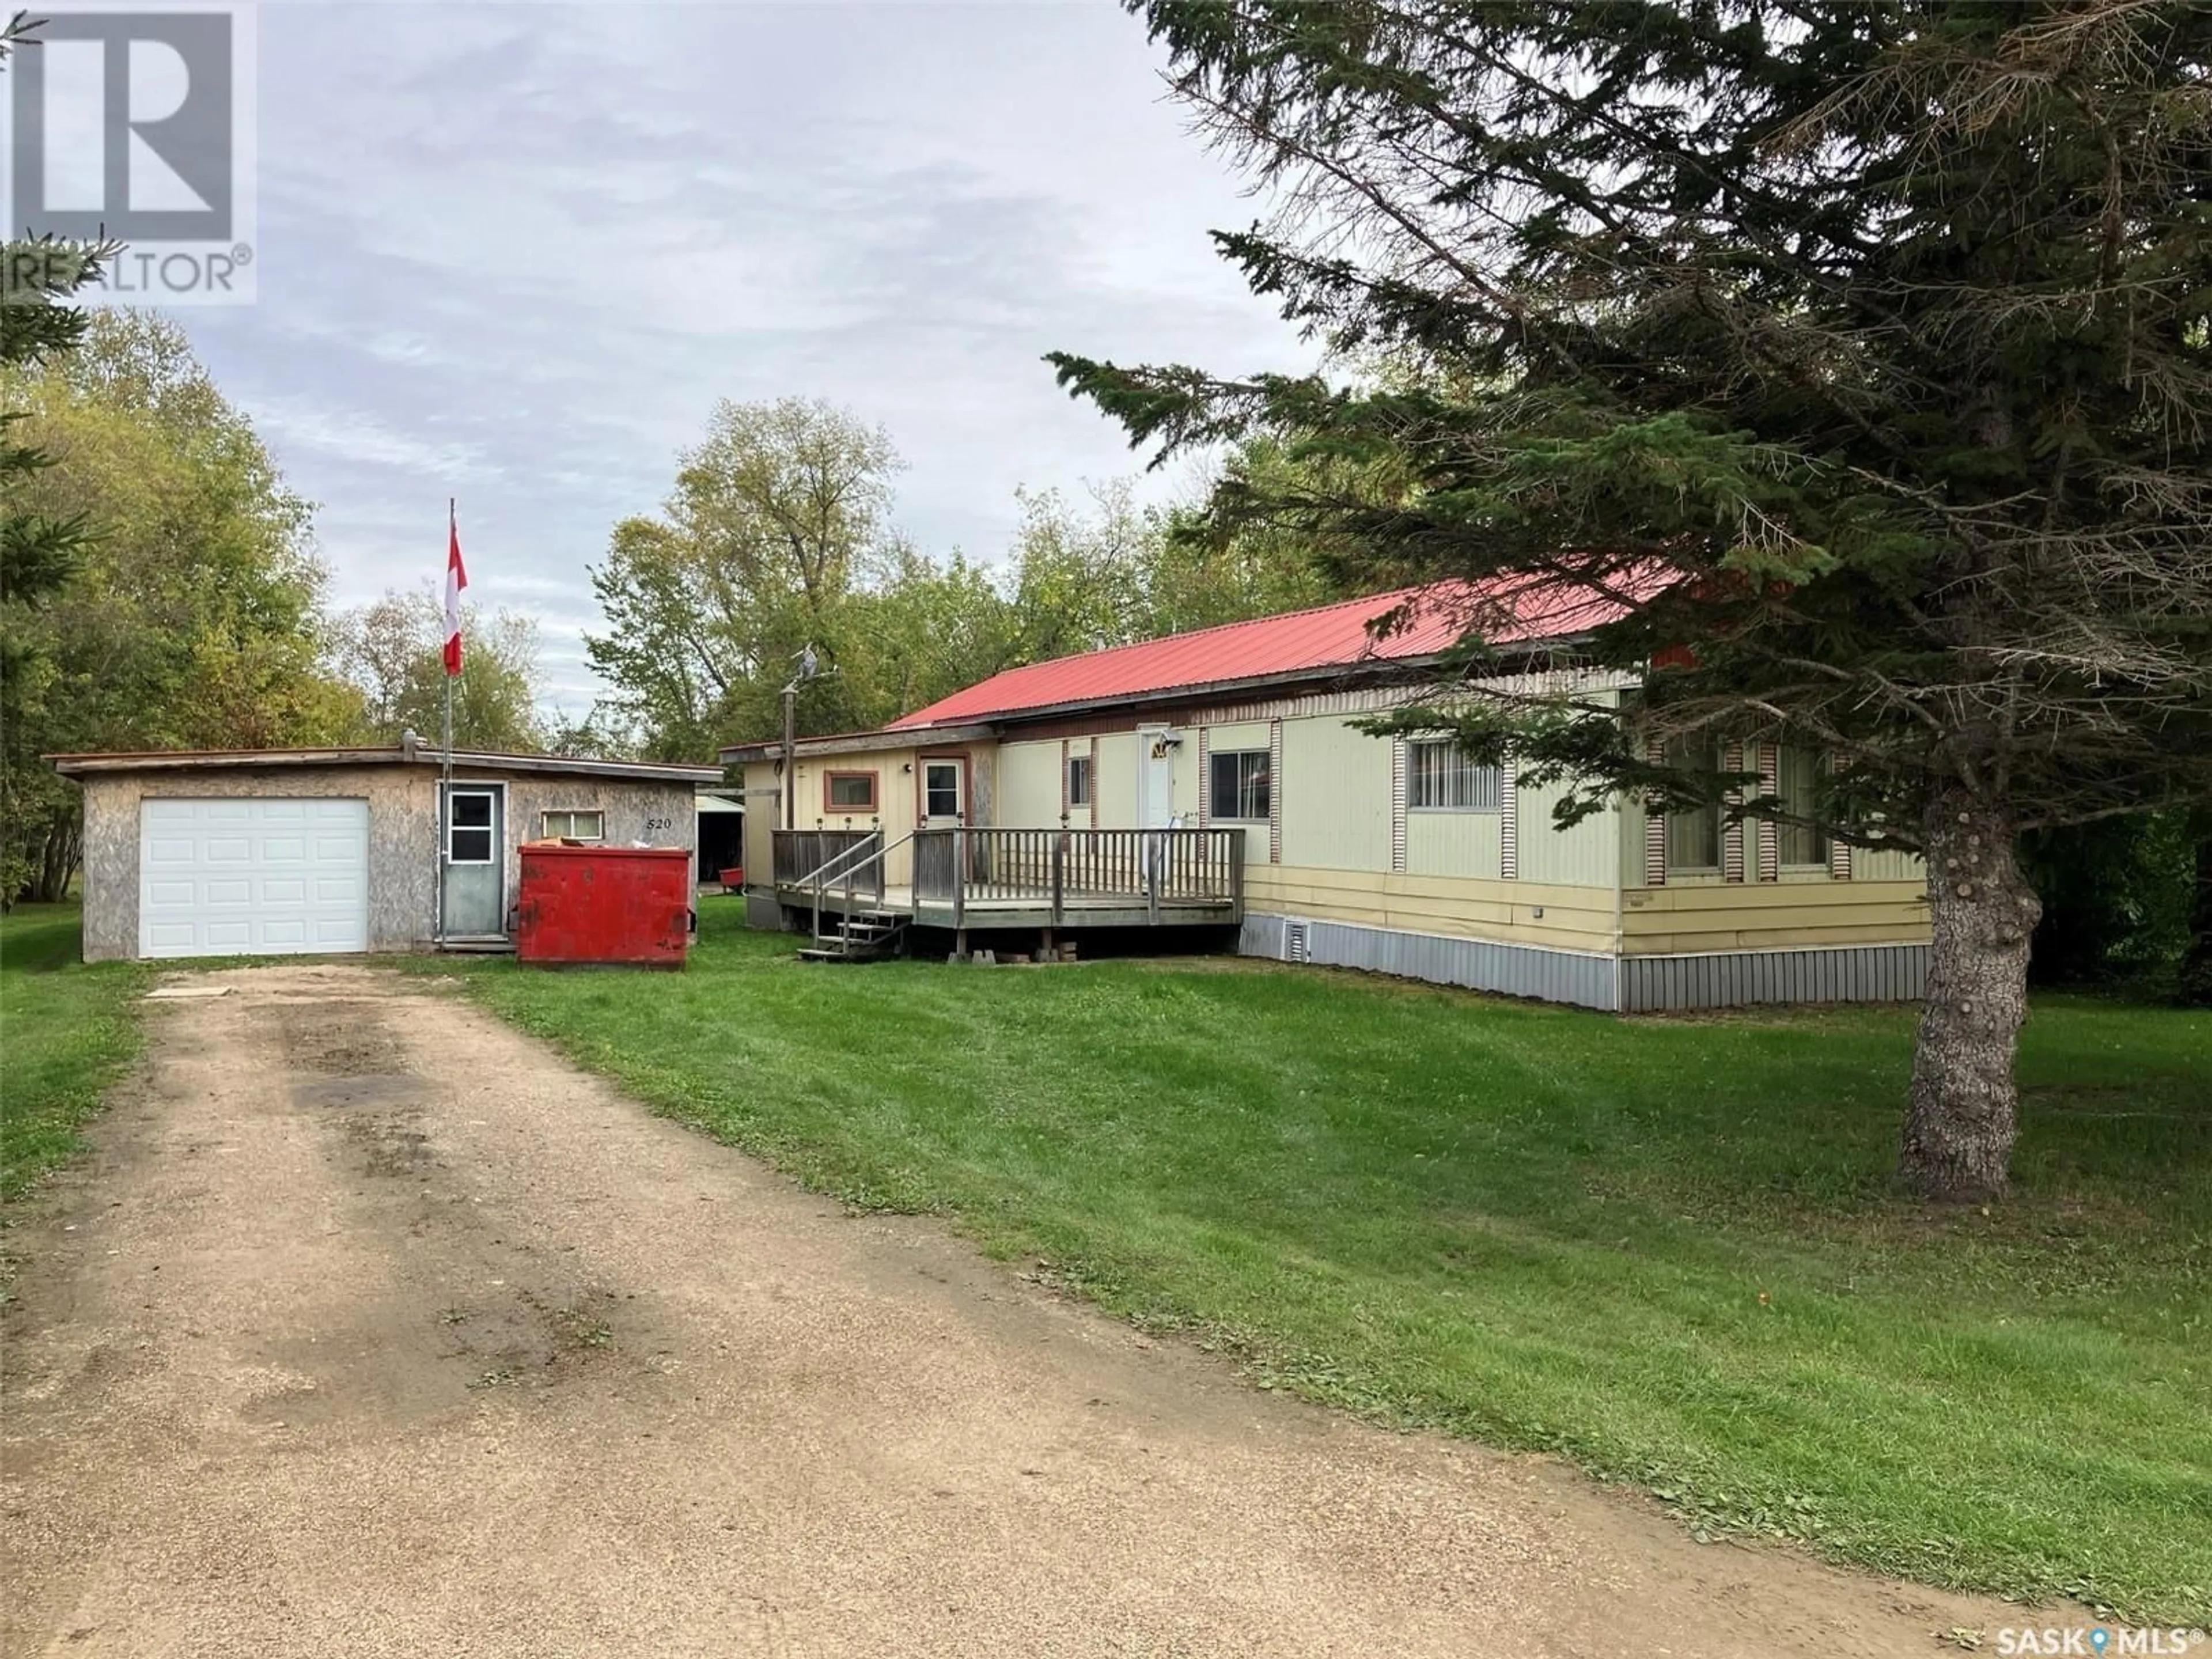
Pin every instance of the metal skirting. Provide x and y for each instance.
(1733, 979)
(1517, 970)
(1866, 973)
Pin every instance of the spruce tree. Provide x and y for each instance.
(1861, 351)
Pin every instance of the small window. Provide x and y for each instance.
(940, 788)
(576, 826)
(1440, 779)
(469, 834)
(1079, 781)
(1240, 784)
(849, 792)
(1694, 834)
(1797, 786)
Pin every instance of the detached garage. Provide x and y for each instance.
(313, 851)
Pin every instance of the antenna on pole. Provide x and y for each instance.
(809, 667)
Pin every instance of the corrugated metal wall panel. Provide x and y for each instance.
(1519, 970)
(1869, 973)
(1882, 973)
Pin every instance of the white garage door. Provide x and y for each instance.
(252, 877)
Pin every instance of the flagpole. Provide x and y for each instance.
(446, 751)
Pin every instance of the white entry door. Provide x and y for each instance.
(252, 876)
(1155, 777)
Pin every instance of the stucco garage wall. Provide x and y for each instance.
(403, 834)
(402, 842)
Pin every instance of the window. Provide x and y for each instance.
(576, 826)
(1239, 784)
(940, 788)
(1079, 781)
(1694, 834)
(468, 833)
(1797, 786)
(1438, 778)
(848, 792)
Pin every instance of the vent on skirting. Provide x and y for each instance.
(1294, 941)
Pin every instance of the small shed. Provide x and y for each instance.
(721, 835)
(288, 851)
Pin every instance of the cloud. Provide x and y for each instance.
(517, 257)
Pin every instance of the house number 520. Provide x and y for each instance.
(659, 826)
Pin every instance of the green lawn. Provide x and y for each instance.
(1665, 1249)
(66, 1030)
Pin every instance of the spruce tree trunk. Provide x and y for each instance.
(1959, 1128)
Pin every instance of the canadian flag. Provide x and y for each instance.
(456, 580)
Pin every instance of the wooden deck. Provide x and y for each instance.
(992, 880)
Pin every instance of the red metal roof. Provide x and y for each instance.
(1340, 635)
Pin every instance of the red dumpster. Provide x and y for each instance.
(608, 904)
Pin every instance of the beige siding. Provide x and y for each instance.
(1184, 804)
(1336, 793)
(1571, 919)
(895, 785)
(895, 779)
(1887, 865)
(1453, 844)
(1029, 785)
(764, 817)
(1586, 855)
(1244, 734)
(1768, 916)
(1117, 780)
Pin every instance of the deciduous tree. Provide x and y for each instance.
(393, 651)
(776, 517)
(189, 615)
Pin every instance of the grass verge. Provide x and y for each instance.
(1665, 1249)
(66, 1030)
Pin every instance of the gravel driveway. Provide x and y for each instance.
(373, 1327)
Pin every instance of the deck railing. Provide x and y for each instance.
(799, 853)
(1051, 868)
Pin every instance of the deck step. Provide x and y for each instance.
(866, 936)
(832, 953)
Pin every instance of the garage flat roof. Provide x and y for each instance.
(192, 759)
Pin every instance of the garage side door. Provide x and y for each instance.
(252, 876)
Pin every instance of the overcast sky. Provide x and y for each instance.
(515, 253)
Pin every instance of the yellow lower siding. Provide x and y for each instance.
(1573, 919)
(1762, 916)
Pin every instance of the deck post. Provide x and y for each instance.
(1154, 871)
(1236, 873)
(1059, 881)
(960, 883)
